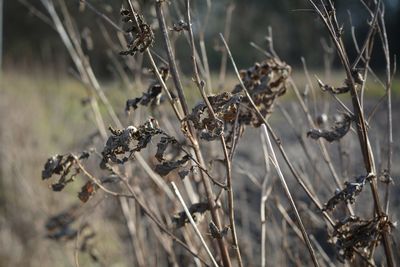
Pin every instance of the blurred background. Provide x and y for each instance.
(28, 40)
(41, 99)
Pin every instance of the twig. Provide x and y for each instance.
(227, 31)
(330, 21)
(228, 163)
(192, 134)
(275, 138)
(312, 253)
(193, 223)
(145, 209)
(274, 162)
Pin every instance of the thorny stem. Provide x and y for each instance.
(305, 236)
(328, 19)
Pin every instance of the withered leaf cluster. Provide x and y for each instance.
(339, 130)
(143, 35)
(152, 96)
(162, 147)
(166, 166)
(185, 172)
(355, 233)
(348, 194)
(385, 177)
(225, 106)
(265, 81)
(121, 145)
(217, 233)
(198, 208)
(63, 166)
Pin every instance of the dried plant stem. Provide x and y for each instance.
(274, 162)
(203, 49)
(275, 138)
(227, 162)
(329, 19)
(326, 156)
(265, 193)
(171, 58)
(224, 57)
(193, 223)
(324, 151)
(303, 145)
(311, 250)
(192, 135)
(388, 88)
(311, 86)
(136, 247)
(172, 101)
(145, 209)
(48, 4)
(322, 251)
(86, 64)
(154, 176)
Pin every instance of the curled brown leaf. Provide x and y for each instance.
(338, 131)
(198, 208)
(143, 34)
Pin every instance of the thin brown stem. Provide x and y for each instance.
(192, 133)
(145, 209)
(200, 86)
(305, 236)
(328, 19)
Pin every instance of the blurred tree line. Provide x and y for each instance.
(30, 40)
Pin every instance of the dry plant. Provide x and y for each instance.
(194, 160)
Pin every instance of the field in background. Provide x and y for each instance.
(41, 116)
